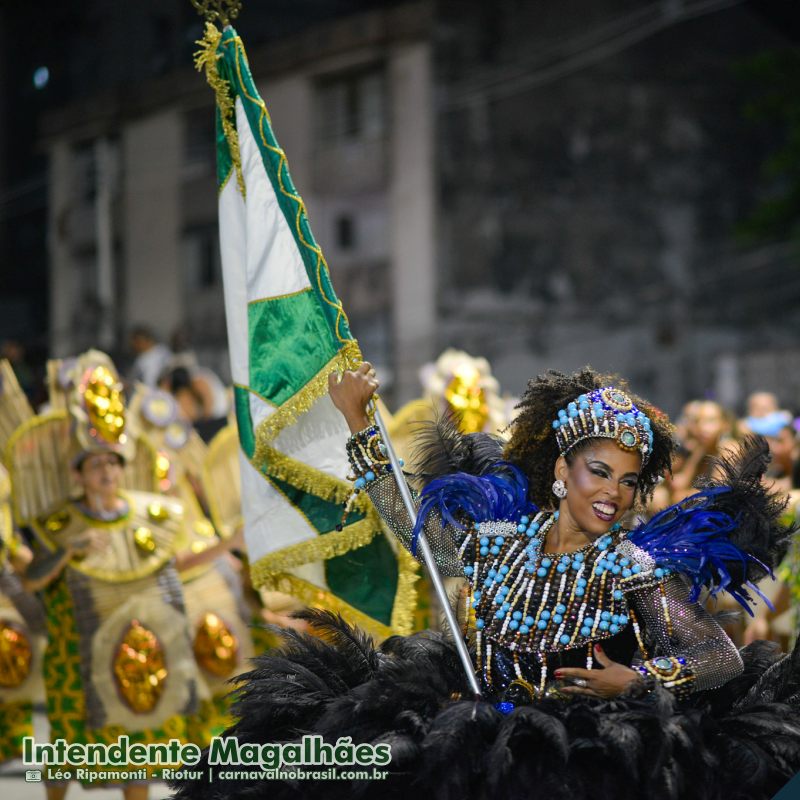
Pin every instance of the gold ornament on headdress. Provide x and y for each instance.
(102, 398)
(97, 407)
(223, 10)
(467, 398)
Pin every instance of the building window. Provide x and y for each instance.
(85, 172)
(352, 106)
(345, 232)
(201, 260)
(199, 140)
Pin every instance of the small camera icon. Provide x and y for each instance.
(33, 775)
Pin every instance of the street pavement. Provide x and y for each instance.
(13, 785)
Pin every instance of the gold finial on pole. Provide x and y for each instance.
(223, 10)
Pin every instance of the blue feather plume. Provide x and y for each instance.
(693, 539)
(501, 494)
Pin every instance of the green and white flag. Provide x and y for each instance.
(287, 331)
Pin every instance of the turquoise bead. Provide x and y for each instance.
(564, 639)
(521, 528)
(513, 625)
(468, 571)
(586, 632)
(524, 629)
(541, 572)
(659, 573)
(580, 591)
(360, 483)
(560, 609)
(546, 562)
(529, 620)
(604, 625)
(557, 619)
(484, 551)
(517, 615)
(588, 621)
(626, 573)
(561, 568)
(545, 614)
(495, 550)
(581, 581)
(605, 615)
(499, 540)
(541, 624)
(614, 628)
(484, 542)
(636, 569)
(370, 476)
(617, 594)
(524, 520)
(504, 569)
(479, 624)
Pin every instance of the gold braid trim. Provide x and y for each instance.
(206, 58)
(348, 357)
(312, 481)
(405, 598)
(316, 597)
(320, 548)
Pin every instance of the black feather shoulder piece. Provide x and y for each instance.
(757, 510)
(440, 449)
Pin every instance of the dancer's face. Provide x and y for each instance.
(100, 474)
(601, 484)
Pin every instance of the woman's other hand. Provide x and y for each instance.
(610, 681)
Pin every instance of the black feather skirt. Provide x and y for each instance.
(739, 741)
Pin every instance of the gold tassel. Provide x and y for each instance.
(206, 59)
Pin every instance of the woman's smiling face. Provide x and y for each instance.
(601, 481)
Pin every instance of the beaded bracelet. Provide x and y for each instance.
(671, 672)
(367, 455)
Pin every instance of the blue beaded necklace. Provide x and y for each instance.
(536, 602)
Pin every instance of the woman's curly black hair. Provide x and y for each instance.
(533, 446)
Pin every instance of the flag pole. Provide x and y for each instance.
(427, 556)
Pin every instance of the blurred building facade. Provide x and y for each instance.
(544, 184)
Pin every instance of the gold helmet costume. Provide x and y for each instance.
(119, 657)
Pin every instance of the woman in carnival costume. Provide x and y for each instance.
(119, 658)
(601, 675)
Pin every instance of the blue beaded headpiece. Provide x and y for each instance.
(607, 414)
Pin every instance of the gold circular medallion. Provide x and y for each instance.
(616, 399)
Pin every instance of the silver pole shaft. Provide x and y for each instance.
(427, 557)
